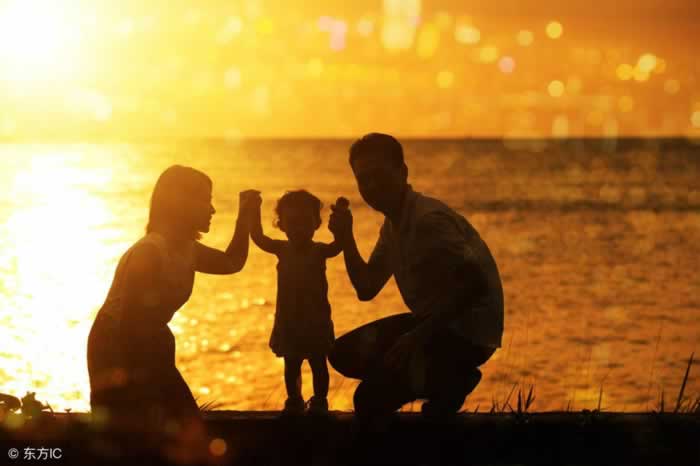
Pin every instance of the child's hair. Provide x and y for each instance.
(300, 199)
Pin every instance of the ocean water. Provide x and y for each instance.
(597, 243)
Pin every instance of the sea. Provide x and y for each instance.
(597, 243)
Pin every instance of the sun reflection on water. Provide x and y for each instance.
(57, 277)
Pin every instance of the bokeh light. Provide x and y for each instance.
(231, 30)
(400, 20)
(554, 29)
(232, 78)
(525, 38)
(467, 34)
(625, 72)
(647, 62)
(640, 75)
(556, 88)
(141, 70)
(506, 64)
(695, 119)
(218, 447)
(560, 127)
(488, 54)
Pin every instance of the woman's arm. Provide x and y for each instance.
(213, 261)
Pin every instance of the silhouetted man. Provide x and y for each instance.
(447, 278)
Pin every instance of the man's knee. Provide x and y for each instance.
(470, 379)
(338, 359)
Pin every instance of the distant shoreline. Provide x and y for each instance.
(624, 140)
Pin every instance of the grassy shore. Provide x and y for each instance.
(242, 438)
(507, 434)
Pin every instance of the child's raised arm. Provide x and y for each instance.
(265, 243)
(331, 250)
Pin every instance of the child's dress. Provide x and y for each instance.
(303, 327)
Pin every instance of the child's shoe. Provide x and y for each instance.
(293, 407)
(318, 406)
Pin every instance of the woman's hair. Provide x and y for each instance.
(300, 199)
(168, 202)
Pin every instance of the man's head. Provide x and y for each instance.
(381, 173)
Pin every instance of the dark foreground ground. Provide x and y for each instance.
(261, 438)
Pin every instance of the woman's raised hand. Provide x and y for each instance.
(249, 200)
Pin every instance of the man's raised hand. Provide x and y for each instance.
(340, 222)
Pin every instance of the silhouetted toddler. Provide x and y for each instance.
(303, 328)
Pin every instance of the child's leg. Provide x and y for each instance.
(319, 369)
(292, 377)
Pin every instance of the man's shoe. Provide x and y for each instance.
(435, 411)
(447, 406)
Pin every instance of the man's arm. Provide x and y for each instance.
(368, 278)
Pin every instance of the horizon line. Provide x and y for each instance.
(140, 139)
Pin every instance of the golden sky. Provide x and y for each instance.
(81, 69)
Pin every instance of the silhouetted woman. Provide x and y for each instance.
(131, 350)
